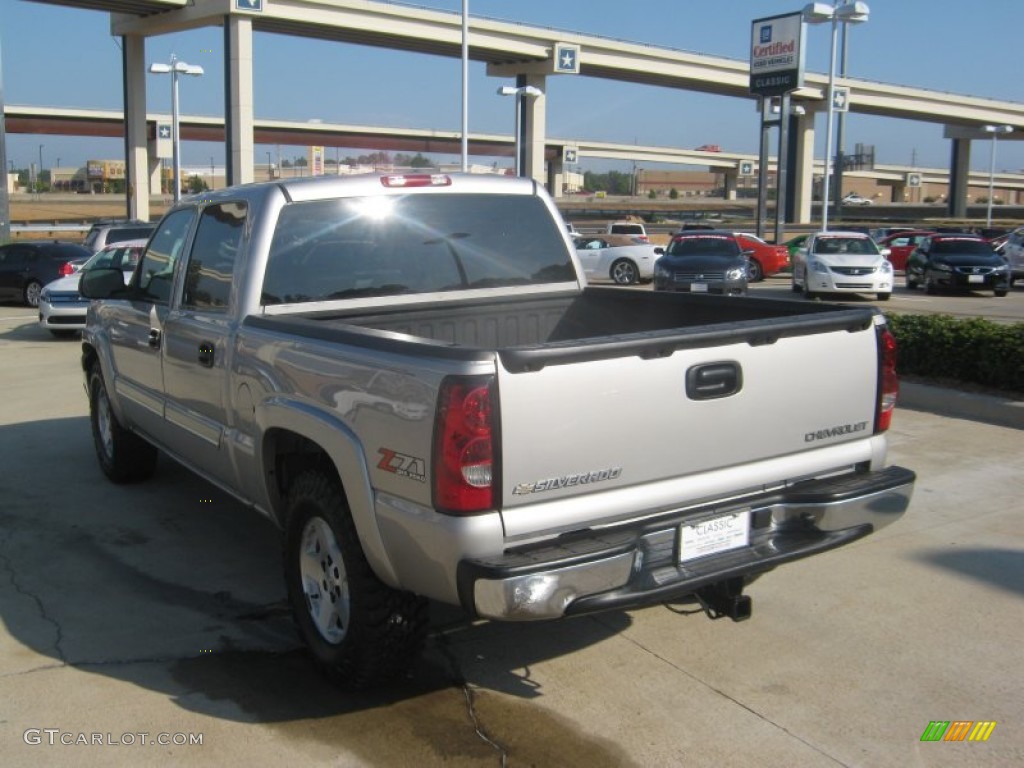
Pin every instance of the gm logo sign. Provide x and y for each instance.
(766, 34)
(254, 6)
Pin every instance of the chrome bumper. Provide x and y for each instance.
(623, 568)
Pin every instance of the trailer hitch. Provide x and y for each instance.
(725, 598)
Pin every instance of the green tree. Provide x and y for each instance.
(195, 184)
(673, 193)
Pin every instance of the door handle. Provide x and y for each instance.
(154, 338)
(206, 354)
(714, 380)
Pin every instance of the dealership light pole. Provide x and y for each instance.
(465, 86)
(840, 13)
(174, 69)
(519, 92)
(995, 130)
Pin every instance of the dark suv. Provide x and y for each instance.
(108, 231)
(25, 267)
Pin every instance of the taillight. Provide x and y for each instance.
(66, 269)
(888, 382)
(464, 446)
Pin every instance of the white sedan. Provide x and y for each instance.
(62, 309)
(842, 262)
(622, 259)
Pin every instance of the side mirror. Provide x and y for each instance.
(105, 283)
(659, 250)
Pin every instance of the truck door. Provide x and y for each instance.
(136, 334)
(197, 334)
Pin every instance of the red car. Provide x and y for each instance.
(901, 244)
(766, 259)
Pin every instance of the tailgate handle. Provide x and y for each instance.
(713, 380)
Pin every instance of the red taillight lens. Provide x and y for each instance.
(66, 269)
(464, 446)
(888, 382)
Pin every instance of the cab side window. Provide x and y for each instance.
(156, 275)
(212, 260)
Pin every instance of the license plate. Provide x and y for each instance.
(975, 278)
(699, 287)
(714, 535)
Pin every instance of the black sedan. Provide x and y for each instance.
(957, 261)
(703, 261)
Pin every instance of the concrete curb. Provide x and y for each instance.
(990, 409)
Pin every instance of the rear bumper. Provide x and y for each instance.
(637, 565)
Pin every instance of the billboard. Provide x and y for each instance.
(777, 54)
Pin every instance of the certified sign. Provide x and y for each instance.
(776, 54)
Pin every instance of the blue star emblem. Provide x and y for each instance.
(165, 131)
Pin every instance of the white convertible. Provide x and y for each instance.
(623, 259)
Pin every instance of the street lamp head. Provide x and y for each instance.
(994, 129)
(508, 90)
(525, 90)
(187, 69)
(818, 13)
(160, 69)
(853, 13)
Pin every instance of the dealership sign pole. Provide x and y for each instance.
(776, 69)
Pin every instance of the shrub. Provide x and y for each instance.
(973, 350)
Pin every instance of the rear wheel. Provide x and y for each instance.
(755, 272)
(624, 272)
(31, 293)
(359, 630)
(123, 456)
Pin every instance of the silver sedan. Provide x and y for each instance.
(622, 259)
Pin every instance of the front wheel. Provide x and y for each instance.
(123, 456)
(359, 630)
(755, 272)
(1000, 293)
(883, 296)
(624, 272)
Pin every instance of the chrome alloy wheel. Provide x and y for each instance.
(324, 580)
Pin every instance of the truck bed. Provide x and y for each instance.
(598, 323)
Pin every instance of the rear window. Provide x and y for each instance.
(627, 229)
(704, 245)
(122, 234)
(380, 246)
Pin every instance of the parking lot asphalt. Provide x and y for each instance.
(139, 614)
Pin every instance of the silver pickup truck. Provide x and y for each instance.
(411, 377)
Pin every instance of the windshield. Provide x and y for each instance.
(703, 245)
(848, 245)
(124, 258)
(962, 247)
(381, 246)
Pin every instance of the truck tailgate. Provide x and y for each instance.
(614, 422)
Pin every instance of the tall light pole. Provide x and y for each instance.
(174, 69)
(841, 12)
(995, 130)
(39, 176)
(270, 167)
(519, 93)
(465, 86)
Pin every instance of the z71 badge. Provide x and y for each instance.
(403, 465)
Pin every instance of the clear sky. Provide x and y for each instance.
(59, 56)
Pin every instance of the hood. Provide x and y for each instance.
(969, 259)
(849, 259)
(67, 284)
(699, 262)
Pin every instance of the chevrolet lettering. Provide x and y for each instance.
(410, 376)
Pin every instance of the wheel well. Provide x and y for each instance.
(287, 455)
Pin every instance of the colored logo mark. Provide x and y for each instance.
(958, 730)
(766, 34)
